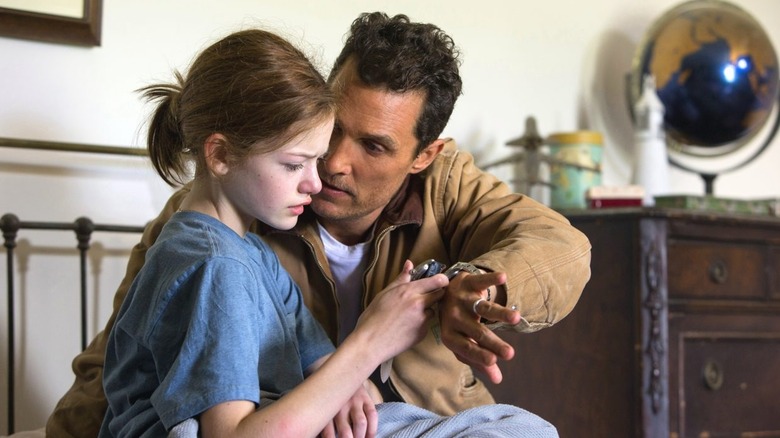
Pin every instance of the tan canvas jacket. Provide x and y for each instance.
(453, 212)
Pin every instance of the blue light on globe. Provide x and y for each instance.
(715, 70)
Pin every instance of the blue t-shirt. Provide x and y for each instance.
(211, 317)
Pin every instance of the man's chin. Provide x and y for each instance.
(322, 207)
(326, 209)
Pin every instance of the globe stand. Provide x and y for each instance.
(709, 182)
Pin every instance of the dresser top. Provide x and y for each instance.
(670, 214)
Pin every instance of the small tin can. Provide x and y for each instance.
(575, 166)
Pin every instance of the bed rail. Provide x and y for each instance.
(83, 228)
(70, 147)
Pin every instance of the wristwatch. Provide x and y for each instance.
(459, 267)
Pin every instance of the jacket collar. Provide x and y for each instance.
(406, 206)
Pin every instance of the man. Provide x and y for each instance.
(392, 190)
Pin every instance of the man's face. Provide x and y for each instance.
(372, 150)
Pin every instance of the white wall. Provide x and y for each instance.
(561, 61)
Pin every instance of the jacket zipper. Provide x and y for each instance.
(330, 281)
(382, 234)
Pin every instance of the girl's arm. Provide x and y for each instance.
(393, 322)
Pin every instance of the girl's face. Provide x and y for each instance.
(274, 187)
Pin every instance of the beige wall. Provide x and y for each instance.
(561, 61)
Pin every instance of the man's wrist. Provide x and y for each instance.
(459, 267)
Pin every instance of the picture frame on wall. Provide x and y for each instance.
(72, 22)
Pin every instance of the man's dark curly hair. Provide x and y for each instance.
(400, 56)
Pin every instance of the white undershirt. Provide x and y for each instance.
(347, 263)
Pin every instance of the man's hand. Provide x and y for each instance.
(356, 419)
(461, 330)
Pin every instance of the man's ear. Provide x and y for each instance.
(427, 155)
(216, 153)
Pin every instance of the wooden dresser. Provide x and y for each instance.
(677, 334)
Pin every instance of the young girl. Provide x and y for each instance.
(213, 328)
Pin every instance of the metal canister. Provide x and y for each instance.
(575, 167)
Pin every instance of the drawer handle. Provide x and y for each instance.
(713, 375)
(718, 272)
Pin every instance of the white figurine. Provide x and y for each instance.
(651, 164)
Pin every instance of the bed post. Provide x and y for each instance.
(10, 226)
(83, 228)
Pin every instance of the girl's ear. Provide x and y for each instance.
(216, 153)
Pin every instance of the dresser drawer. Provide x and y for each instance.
(729, 384)
(707, 270)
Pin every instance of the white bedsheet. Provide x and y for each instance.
(401, 420)
(38, 433)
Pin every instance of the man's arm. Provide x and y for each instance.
(537, 263)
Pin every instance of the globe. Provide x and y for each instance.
(716, 74)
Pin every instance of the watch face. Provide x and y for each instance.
(427, 268)
(432, 267)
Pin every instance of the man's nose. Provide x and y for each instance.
(337, 161)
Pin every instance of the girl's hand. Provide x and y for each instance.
(399, 316)
(357, 419)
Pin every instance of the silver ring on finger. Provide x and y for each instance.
(476, 303)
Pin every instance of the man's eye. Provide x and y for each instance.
(372, 147)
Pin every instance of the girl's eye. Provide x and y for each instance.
(293, 167)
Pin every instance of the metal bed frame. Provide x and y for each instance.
(83, 228)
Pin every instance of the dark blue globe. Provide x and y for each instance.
(716, 73)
